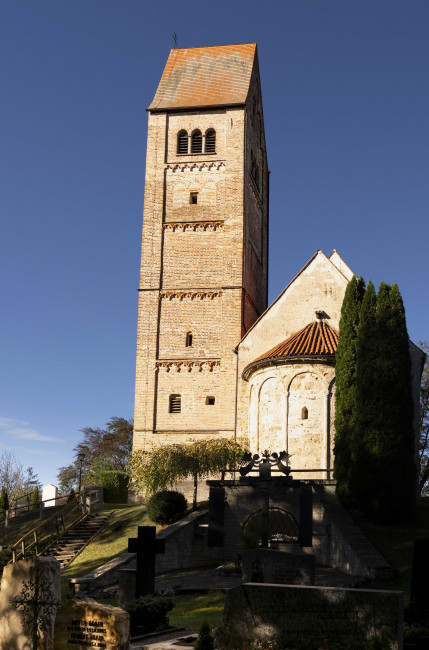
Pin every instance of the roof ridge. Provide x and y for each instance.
(206, 47)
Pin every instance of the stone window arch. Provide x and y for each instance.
(189, 339)
(210, 141)
(182, 142)
(271, 416)
(304, 413)
(196, 141)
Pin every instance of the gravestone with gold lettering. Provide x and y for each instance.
(83, 624)
(285, 616)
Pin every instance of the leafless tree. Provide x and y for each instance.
(12, 475)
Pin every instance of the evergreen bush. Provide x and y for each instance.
(205, 639)
(149, 613)
(166, 506)
(72, 496)
(4, 499)
(115, 486)
(35, 498)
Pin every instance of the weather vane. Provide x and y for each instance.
(175, 39)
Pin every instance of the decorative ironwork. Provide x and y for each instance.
(37, 605)
(266, 463)
(282, 527)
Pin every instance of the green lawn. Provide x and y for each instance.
(190, 610)
(19, 526)
(109, 542)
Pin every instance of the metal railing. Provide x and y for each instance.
(276, 473)
(40, 538)
(25, 508)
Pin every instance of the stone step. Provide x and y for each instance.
(66, 549)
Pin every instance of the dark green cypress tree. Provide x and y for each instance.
(382, 476)
(345, 395)
(395, 445)
(363, 459)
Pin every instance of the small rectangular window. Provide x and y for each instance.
(210, 401)
(193, 198)
(175, 405)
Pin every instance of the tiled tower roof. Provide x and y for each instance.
(205, 76)
(317, 339)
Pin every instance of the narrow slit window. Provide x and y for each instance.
(189, 339)
(175, 405)
(210, 401)
(210, 141)
(193, 199)
(196, 142)
(304, 413)
(182, 142)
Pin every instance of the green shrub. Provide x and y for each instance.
(149, 613)
(166, 506)
(115, 486)
(205, 638)
(4, 499)
(72, 496)
(35, 499)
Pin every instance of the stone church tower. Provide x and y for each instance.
(204, 257)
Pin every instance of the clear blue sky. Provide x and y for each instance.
(346, 106)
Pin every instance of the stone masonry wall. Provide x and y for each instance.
(197, 275)
(337, 541)
(277, 396)
(319, 286)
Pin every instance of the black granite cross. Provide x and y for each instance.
(146, 546)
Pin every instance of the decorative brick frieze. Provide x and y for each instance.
(195, 226)
(180, 295)
(188, 365)
(208, 166)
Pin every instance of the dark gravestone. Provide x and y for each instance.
(146, 546)
(285, 616)
(216, 516)
(419, 597)
(306, 516)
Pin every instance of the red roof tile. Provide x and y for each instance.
(316, 339)
(205, 76)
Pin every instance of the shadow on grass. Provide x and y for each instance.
(190, 610)
(396, 544)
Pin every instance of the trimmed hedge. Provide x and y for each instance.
(115, 486)
(166, 506)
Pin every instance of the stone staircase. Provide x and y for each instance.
(69, 545)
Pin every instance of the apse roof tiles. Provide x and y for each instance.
(316, 339)
(205, 76)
